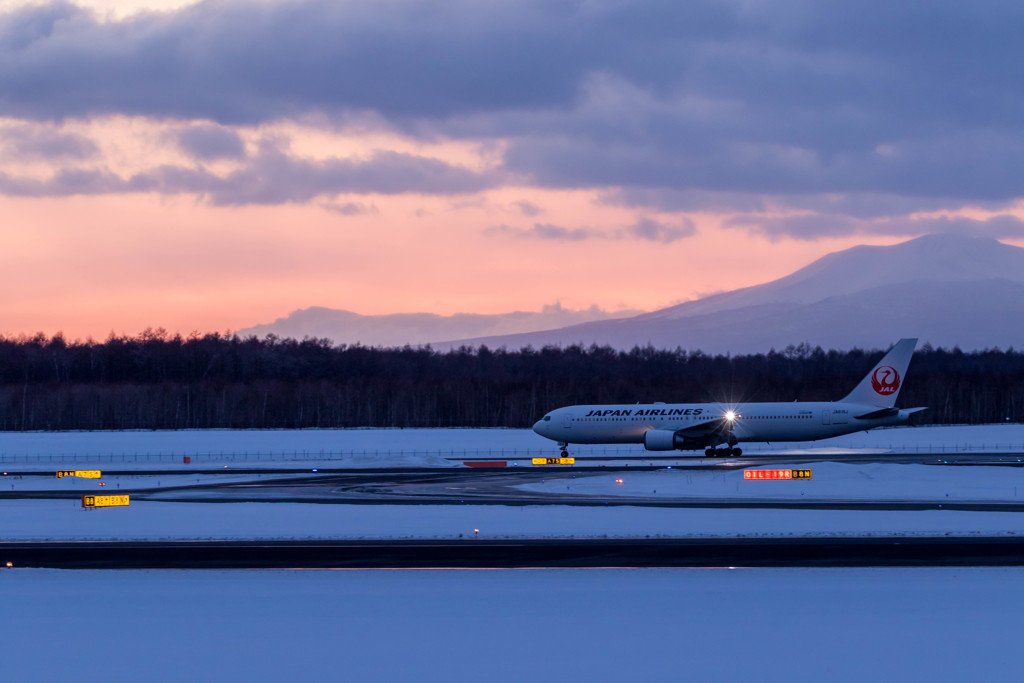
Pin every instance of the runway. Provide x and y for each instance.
(469, 487)
(503, 485)
(488, 553)
(926, 457)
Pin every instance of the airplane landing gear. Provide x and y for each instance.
(723, 452)
(563, 452)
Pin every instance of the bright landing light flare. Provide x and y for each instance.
(730, 416)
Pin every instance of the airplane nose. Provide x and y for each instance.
(538, 427)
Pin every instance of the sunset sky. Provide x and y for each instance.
(213, 165)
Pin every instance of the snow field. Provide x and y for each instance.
(942, 624)
(65, 520)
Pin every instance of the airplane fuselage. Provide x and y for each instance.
(629, 423)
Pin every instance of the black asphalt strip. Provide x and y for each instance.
(491, 553)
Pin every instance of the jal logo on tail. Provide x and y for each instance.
(885, 380)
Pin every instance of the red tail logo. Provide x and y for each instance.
(885, 380)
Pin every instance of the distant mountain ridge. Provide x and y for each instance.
(947, 290)
(399, 329)
(948, 258)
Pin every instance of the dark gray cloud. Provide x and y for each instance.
(546, 231)
(241, 62)
(724, 105)
(976, 167)
(653, 231)
(67, 183)
(30, 143)
(211, 142)
(685, 199)
(272, 176)
(645, 229)
(528, 208)
(275, 177)
(815, 226)
(860, 206)
(351, 209)
(826, 215)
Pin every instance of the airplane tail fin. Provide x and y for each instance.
(882, 385)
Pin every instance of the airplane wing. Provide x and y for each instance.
(718, 425)
(877, 414)
(886, 412)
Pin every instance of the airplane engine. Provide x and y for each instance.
(667, 440)
(661, 440)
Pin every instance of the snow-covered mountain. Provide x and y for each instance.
(948, 290)
(346, 327)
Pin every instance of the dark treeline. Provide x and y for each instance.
(156, 381)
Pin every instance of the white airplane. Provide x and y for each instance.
(692, 426)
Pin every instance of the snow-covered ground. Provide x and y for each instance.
(428, 447)
(25, 520)
(941, 624)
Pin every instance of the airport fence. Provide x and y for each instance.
(312, 456)
(631, 452)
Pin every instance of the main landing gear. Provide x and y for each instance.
(723, 452)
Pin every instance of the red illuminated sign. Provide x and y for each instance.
(776, 474)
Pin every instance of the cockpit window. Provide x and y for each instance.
(547, 418)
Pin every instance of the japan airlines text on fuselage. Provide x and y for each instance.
(693, 426)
